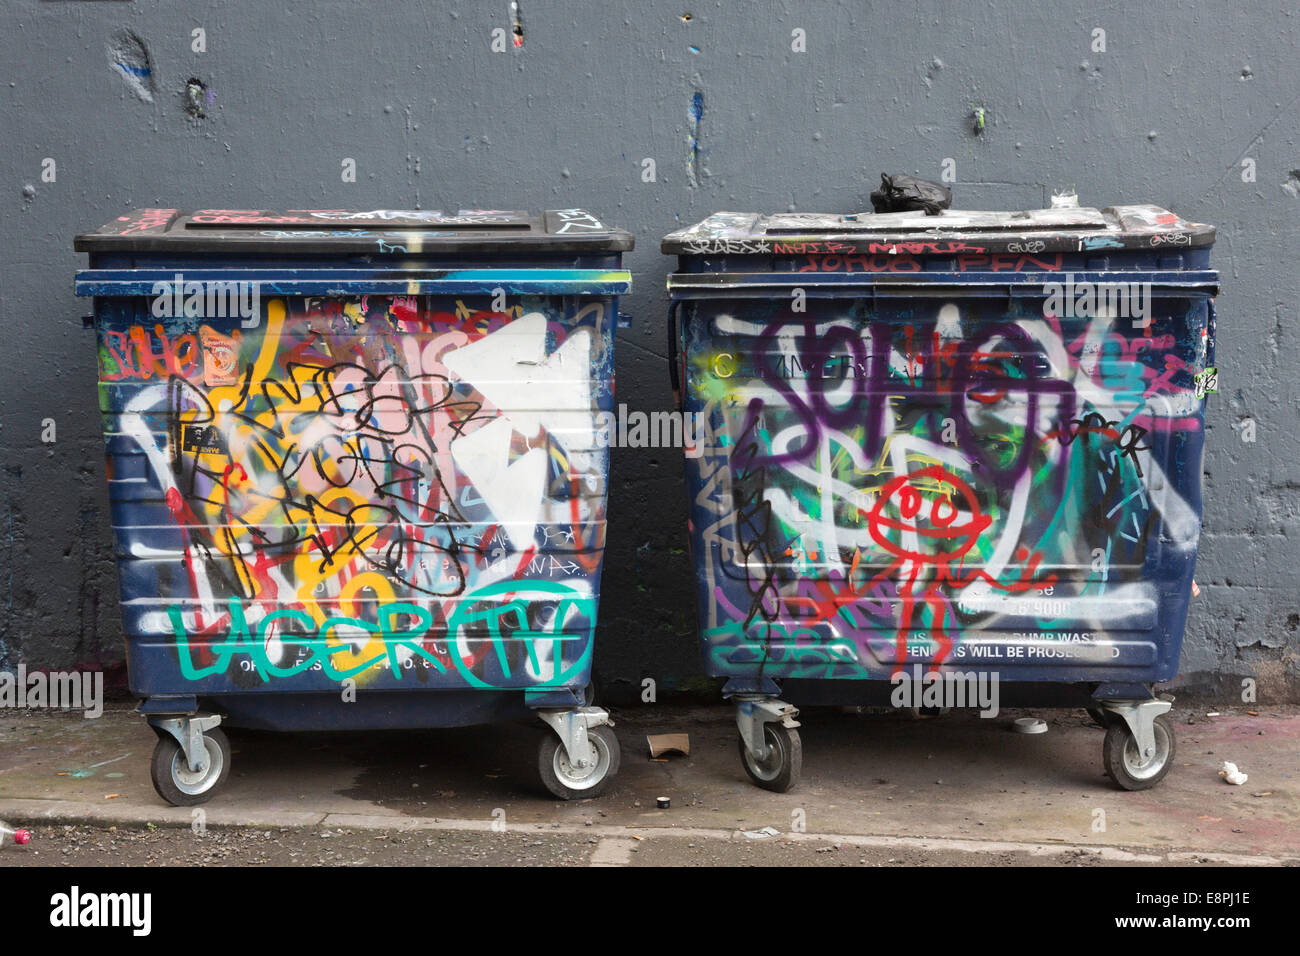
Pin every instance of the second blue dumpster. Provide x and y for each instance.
(942, 452)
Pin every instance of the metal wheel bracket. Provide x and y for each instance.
(753, 712)
(188, 732)
(1140, 717)
(572, 727)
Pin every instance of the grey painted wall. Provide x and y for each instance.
(1182, 94)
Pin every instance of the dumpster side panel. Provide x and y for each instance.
(957, 480)
(405, 491)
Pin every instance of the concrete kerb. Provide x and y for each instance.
(68, 812)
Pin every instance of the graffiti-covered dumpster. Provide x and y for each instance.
(355, 475)
(944, 454)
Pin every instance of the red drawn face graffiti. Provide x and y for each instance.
(929, 503)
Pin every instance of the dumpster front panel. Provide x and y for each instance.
(404, 491)
(964, 477)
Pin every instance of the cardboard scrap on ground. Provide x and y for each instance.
(661, 744)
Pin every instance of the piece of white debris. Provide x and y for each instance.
(762, 834)
(1231, 774)
(1029, 725)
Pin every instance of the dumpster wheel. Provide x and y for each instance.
(180, 786)
(568, 782)
(779, 770)
(1123, 757)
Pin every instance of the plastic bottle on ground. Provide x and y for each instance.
(11, 836)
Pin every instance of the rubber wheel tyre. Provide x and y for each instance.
(567, 783)
(1124, 762)
(172, 777)
(1100, 717)
(780, 771)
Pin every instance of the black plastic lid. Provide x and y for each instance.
(381, 231)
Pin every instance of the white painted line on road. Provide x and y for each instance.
(613, 852)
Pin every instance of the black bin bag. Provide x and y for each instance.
(907, 193)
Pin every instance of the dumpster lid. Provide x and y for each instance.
(1069, 229)
(388, 231)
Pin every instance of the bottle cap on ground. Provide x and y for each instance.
(22, 836)
(663, 803)
(1030, 725)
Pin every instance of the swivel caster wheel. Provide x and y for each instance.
(568, 782)
(182, 787)
(1123, 757)
(779, 770)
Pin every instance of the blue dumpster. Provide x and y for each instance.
(355, 474)
(945, 452)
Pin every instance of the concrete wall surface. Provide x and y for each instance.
(772, 106)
